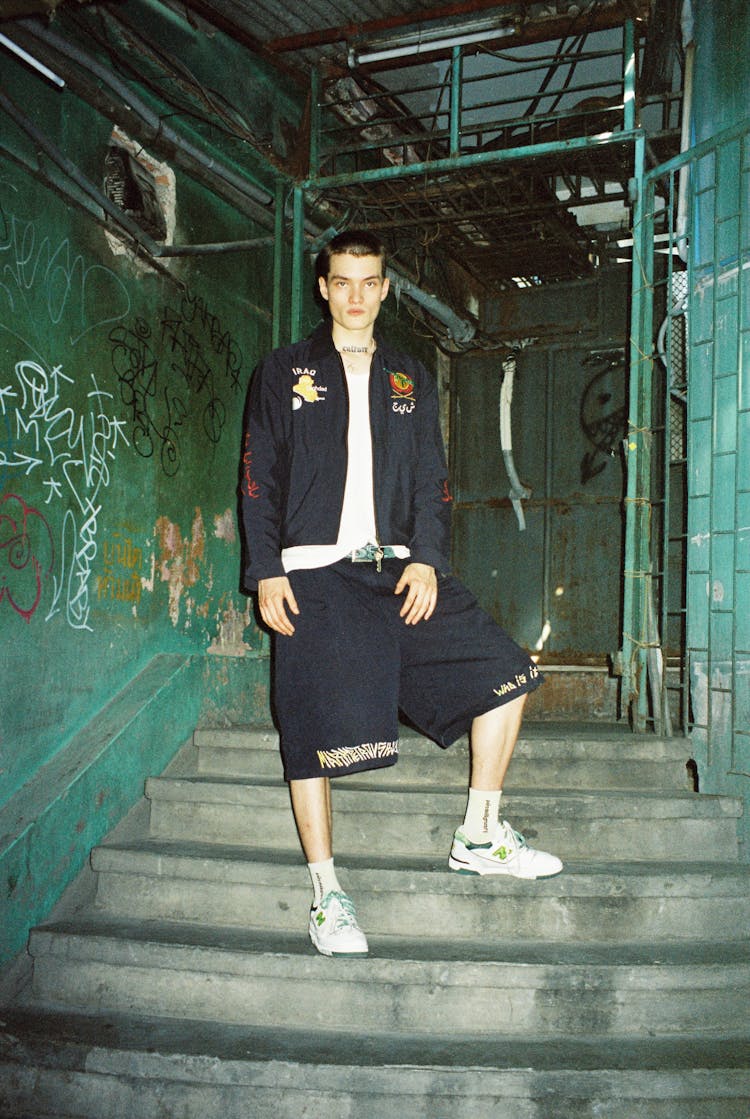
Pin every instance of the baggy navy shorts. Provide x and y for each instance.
(352, 664)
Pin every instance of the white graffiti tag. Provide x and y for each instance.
(74, 449)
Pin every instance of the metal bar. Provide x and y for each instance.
(298, 255)
(628, 76)
(315, 122)
(666, 540)
(705, 147)
(478, 159)
(278, 264)
(637, 572)
(29, 59)
(349, 30)
(455, 110)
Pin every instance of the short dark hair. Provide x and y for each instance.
(358, 242)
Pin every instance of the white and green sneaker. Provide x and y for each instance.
(333, 927)
(507, 853)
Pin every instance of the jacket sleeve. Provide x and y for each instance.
(264, 473)
(430, 541)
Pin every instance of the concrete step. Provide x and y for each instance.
(519, 990)
(107, 1067)
(546, 756)
(602, 825)
(154, 880)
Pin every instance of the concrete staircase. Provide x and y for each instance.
(187, 988)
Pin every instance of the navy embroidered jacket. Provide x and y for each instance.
(294, 455)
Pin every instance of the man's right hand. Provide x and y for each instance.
(274, 595)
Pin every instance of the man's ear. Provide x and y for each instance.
(385, 288)
(323, 287)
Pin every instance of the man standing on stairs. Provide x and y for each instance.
(345, 513)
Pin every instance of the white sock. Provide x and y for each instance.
(482, 815)
(323, 875)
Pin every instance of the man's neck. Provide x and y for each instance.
(353, 342)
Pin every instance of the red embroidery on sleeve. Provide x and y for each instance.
(250, 488)
(446, 492)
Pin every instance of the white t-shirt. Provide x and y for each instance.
(357, 524)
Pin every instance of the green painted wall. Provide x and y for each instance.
(121, 397)
(722, 89)
(719, 409)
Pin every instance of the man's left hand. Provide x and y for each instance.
(421, 598)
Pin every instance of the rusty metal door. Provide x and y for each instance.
(558, 577)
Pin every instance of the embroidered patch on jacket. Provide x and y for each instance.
(305, 389)
(403, 399)
(402, 384)
(341, 756)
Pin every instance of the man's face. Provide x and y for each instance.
(354, 288)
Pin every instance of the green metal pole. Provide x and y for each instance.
(278, 263)
(455, 112)
(637, 572)
(628, 77)
(314, 122)
(298, 261)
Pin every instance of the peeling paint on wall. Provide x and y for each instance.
(230, 642)
(224, 527)
(179, 559)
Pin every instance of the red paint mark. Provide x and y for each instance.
(26, 555)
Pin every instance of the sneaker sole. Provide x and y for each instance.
(464, 868)
(329, 952)
(358, 952)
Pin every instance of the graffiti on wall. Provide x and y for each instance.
(603, 412)
(47, 282)
(27, 555)
(122, 577)
(61, 429)
(65, 452)
(190, 360)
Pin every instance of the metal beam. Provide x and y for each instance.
(477, 159)
(637, 587)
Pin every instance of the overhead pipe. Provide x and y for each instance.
(461, 330)
(125, 223)
(688, 42)
(136, 104)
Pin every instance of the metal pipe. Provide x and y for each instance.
(298, 255)
(461, 330)
(278, 265)
(455, 109)
(75, 175)
(315, 115)
(637, 571)
(111, 209)
(161, 130)
(628, 76)
(29, 59)
(688, 42)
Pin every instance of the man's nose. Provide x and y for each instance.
(355, 295)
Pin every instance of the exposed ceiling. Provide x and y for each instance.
(540, 76)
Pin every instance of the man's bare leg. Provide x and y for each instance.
(493, 740)
(311, 804)
(482, 845)
(333, 924)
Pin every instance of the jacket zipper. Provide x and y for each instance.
(378, 546)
